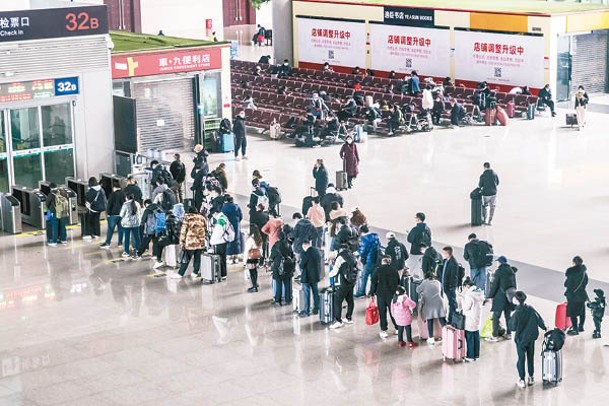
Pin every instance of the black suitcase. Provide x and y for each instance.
(571, 119)
(410, 285)
(531, 111)
(477, 217)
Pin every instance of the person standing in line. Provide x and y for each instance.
(430, 295)
(385, 281)
(504, 281)
(420, 234)
(115, 205)
(178, 171)
(233, 213)
(58, 211)
(258, 220)
(317, 216)
(431, 261)
(369, 250)
(581, 103)
(344, 274)
(526, 323)
(222, 233)
(350, 156)
(476, 252)
(402, 307)
(320, 174)
(450, 280)
(303, 231)
(192, 241)
(130, 218)
(240, 135)
(283, 266)
(96, 203)
(471, 304)
(576, 295)
(310, 277)
(133, 189)
(147, 227)
(272, 229)
(488, 183)
(253, 253)
(396, 251)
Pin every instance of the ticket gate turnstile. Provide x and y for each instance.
(107, 180)
(45, 188)
(33, 206)
(11, 213)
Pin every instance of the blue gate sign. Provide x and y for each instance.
(66, 86)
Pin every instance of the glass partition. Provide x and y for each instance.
(4, 186)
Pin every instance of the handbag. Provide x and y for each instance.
(254, 253)
(372, 313)
(458, 321)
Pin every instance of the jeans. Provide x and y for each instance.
(368, 268)
(113, 222)
(525, 350)
(240, 142)
(472, 340)
(135, 232)
(489, 212)
(430, 325)
(451, 295)
(384, 305)
(143, 246)
(401, 333)
(318, 238)
(548, 103)
(344, 292)
(478, 276)
(188, 254)
(309, 288)
(53, 229)
(283, 290)
(92, 224)
(496, 317)
(179, 191)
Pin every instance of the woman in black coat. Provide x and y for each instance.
(575, 292)
(282, 281)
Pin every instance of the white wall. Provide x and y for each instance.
(264, 16)
(181, 18)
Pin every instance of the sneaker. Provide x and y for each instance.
(431, 341)
(52, 244)
(175, 275)
(508, 336)
(96, 237)
(521, 383)
(349, 321)
(401, 344)
(469, 359)
(237, 158)
(125, 255)
(303, 314)
(136, 257)
(383, 334)
(64, 243)
(395, 333)
(195, 275)
(572, 332)
(336, 324)
(158, 264)
(412, 344)
(104, 246)
(581, 329)
(252, 290)
(492, 339)
(531, 381)
(244, 157)
(86, 237)
(315, 311)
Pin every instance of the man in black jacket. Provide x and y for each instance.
(450, 280)
(397, 252)
(504, 284)
(385, 281)
(526, 323)
(113, 211)
(320, 173)
(477, 252)
(545, 97)
(488, 183)
(240, 137)
(420, 234)
(310, 263)
(133, 189)
(431, 260)
(178, 171)
(344, 274)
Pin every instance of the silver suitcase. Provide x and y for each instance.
(326, 304)
(298, 299)
(210, 268)
(551, 367)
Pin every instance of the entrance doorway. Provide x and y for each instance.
(238, 12)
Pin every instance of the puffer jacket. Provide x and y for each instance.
(192, 235)
(401, 309)
(369, 248)
(471, 306)
(129, 219)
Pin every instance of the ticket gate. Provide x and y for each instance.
(11, 213)
(107, 180)
(33, 206)
(45, 188)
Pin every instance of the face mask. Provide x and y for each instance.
(242, 115)
(349, 141)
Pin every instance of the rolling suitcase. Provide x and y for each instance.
(298, 299)
(490, 116)
(453, 344)
(169, 252)
(510, 108)
(530, 111)
(488, 282)
(359, 283)
(551, 366)
(410, 285)
(571, 119)
(326, 303)
(210, 268)
(275, 131)
(476, 215)
(341, 180)
(228, 142)
(561, 320)
(502, 116)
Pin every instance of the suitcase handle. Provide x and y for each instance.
(460, 347)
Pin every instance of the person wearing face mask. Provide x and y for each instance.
(240, 137)
(285, 69)
(350, 157)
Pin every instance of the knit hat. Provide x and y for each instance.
(390, 235)
(599, 292)
(502, 260)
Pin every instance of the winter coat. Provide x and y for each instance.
(575, 292)
(194, 229)
(239, 127)
(147, 221)
(471, 305)
(330, 197)
(450, 274)
(525, 323)
(401, 310)
(220, 231)
(316, 215)
(282, 249)
(219, 174)
(345, 235)
(504, 278)
(303, 231)
(349, 154)
(250, 244)
(96, 197)
(369, 247)
(232, 211)
(430, 293)
(488, 182)
(310, 263)
(398, 253)
(254, 196)
(129, 219)
(272, 229)
(385, 281)
(321, 179)
(358, 218)
(258, 219)
(431, 261)
(417, 235)
(178, 171)
(136, 192)
(115, 203)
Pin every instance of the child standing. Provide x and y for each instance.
(597, 306)
(401, 309)
(473, 297)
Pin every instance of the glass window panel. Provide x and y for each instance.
(25, 130)
(56, 124)
(58, 164)
(3, 157)
(28, 169)
(211, 94)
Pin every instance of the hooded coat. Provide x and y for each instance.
(471, 306)
(575, 290)
(503, 279)
(233, 212)
(401, 310)
(349, 154)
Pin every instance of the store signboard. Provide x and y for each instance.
(53, 23)
(505, 59)
(411, 16)
(404, 49)
(38, 89)
(163, 62)
(341, 43)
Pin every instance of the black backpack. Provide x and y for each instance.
(461, 274)
(484, 254)
(287, 266)
(349, 268)
(554, 340)
(169, 200)
(274, 196)
(167, 178)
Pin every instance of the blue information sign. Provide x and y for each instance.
(66, 86)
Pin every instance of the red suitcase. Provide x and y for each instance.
(511, 109)
(502, 116)
(561, 320)
(489, 116)
(453, 344)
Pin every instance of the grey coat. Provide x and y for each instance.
(430, 294)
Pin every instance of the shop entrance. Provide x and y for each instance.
(37, 144)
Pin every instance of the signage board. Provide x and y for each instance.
(411, 16)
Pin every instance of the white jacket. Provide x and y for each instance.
(249, 244)
(427, 102)
(471, 306)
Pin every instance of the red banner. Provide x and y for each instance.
(162, 62)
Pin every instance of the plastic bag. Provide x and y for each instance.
(487, 329)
